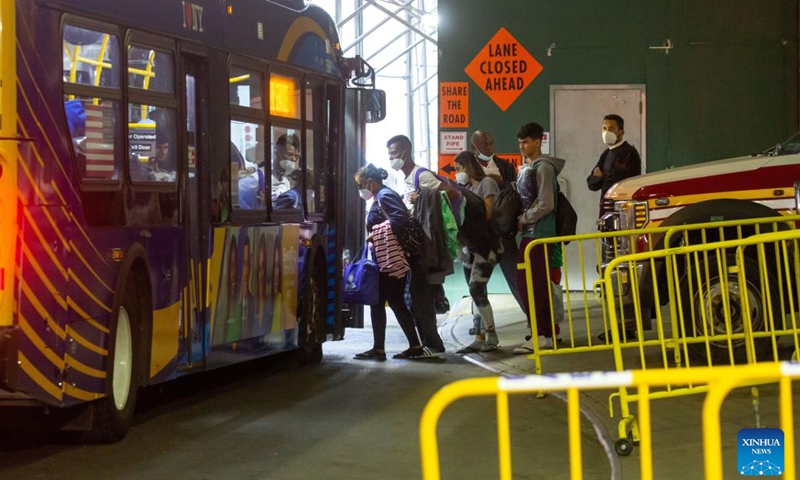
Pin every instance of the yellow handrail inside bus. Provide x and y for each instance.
(240, 78)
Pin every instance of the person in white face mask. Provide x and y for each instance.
(386, 205)
(502, 170)
(418, 178)
(617, 162)
(505, 173)
(481, 249)
(284, 161)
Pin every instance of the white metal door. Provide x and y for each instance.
(576, 116)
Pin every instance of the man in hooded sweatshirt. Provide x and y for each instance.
(538, 188)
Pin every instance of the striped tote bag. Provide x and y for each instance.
(389, 254)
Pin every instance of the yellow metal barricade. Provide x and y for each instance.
(635, 284)
(727, 303)
(719, 380)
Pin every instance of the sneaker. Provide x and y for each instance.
(492, 343)
(427, 353)
(473, 347)
(527, 347)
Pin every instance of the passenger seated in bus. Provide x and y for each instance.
(162, 165)
(284, 161)
(292, 198)
(251, 183)
(139, 171)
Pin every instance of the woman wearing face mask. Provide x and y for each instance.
(481, 248)
(386, 203)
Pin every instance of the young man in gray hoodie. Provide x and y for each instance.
(537, 186)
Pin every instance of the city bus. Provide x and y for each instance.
(173, 179)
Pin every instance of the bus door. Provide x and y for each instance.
(196, 318)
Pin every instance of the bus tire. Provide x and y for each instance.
(312, 309)
(112, 415)
(715, 316)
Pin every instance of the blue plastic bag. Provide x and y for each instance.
(361, 279)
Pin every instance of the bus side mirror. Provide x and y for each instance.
(374, 105)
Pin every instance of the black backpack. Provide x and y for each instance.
(506, 209)
(566, 217)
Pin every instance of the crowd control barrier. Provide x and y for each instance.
(639, 288)
(719, 382)
(730, 302)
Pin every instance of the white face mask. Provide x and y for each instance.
(483, 157)
(462, 178)
(397, 163)
(609, 138)
(288, 166)
(365, 194)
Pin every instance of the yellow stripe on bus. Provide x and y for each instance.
(51, 323)
(50, 287)
(86, 237)
(51, 388)
(87, 344)
(40, 344)
(84, 369)
(299, 27)
(78, 282)
(85, 316)
(80, 394)
(89, 267)
(165, 340)
(46, 105)
(47, 248)
(44, 208)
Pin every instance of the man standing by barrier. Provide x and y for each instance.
(538, 189)
(617, 162)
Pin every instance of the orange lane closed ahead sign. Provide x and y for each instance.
(503, 69)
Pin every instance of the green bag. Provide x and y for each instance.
(450, 227)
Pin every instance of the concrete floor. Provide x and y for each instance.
(359, 420)
(343, 419)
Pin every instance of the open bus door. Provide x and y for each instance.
(196, 220)
(362, 106)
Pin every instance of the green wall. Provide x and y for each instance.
(728, 87)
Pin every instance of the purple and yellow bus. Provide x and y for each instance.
(172, 189)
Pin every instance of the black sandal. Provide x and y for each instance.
(410, 352)
(370, 354)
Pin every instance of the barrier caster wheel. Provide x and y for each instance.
(624, 447)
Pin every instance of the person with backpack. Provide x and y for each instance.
(422, 301)
(481, 247)
(538, 188)
(508, 206)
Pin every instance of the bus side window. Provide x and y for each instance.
(91, 59)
